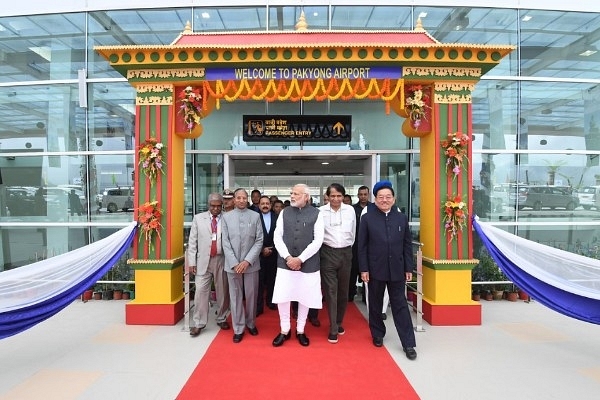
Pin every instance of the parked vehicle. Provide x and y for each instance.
(589, 197)
(538, 197)
(119, 198)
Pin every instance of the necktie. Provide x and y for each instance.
(213, 246)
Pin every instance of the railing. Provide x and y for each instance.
(186, 292)
(419, 287)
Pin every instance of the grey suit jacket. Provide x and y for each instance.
(242, 238)
(200, 240)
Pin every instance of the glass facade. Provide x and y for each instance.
(67, 119)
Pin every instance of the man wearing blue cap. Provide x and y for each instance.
(385, 259)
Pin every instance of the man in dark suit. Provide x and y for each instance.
(268, 257)
(385, 259)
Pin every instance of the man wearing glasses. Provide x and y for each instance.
(339, 220)
(205, 259)
(385, 259)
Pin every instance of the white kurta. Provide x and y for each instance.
(304, 288)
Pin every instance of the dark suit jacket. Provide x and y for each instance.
(268, 236)
(385, 245)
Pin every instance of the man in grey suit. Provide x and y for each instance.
(206, 260)
(242, 244)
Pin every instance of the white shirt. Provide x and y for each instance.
(340, 225)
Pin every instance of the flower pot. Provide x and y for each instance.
(117, 294)
(87, 295)
(476, 297)
(489, 296)
(196, 132)
(97, 295)
(498, 294)
(523, 296)
(126, 295)
(512, 296)
(107, 294)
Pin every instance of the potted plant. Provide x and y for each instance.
(488, 271)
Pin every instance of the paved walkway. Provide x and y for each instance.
(522, 350)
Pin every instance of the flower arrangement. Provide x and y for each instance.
(151, 159)
(417, 104)
(455, 216)
(191, 107)
(149, 220)
(455, 149)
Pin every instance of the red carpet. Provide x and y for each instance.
(254, 369)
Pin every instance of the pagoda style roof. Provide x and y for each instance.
(303, 48)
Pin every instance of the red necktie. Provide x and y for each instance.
(213, 246)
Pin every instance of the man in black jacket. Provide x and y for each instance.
(385, 260)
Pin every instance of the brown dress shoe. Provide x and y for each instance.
(223, 325)
(195, 331)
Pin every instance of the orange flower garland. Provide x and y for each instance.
(149, 220)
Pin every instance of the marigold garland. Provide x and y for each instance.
(149, 215)
(321, 91)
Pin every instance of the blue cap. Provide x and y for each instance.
(382, 185)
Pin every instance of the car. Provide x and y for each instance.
(538, 197)
(118, 198)
(589, 196)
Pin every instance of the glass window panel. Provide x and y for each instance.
(41, 47)
(285, 18)
(495, 115)
(560, 44)
(38, 188)
(208, 171)
(131, 27)
(395, 168)
(229, 19)
(112, 115)
(559, 116)
(26, 245)
(111, 187)
(576, 238)
(369, 17)
(42, 118)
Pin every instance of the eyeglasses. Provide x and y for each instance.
(388, 197)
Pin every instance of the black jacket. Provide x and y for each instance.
(385, 245)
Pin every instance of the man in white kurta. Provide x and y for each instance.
(298, 238)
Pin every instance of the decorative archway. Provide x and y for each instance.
(427, 82)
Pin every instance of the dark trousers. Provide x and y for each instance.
(354, 273)
(400, 311)
(266, 282)
(335, 273)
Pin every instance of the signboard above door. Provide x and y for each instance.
(297, 128)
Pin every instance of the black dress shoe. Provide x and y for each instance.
(223, 325)
(377, 341)
(195, 331)
(302, 339)
(315, 322)
(279, 339)
(237, 337)
(253, 331)
(411, 353)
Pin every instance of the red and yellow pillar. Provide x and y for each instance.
(159, 265)
(447, 264)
